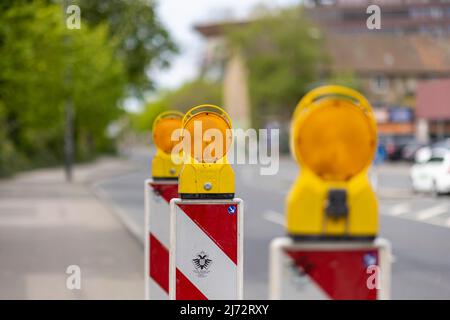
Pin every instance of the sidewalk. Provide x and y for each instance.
(47, 225)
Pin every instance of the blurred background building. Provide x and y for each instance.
(399, 67)
(398, 16)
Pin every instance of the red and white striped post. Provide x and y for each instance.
(158, 194)
(339, 270)
(206, 249)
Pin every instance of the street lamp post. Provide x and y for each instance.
(68, 139)
(68, 112)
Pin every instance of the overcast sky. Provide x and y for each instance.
(179, 16)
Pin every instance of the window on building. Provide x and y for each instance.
(436, 13)
(379, 84)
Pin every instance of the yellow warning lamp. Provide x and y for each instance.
(163, 166)
(334, 139)
(207, 137)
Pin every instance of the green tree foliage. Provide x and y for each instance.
(42, 65)
(190, 94)
(343, 78)
(142, 40)
(283, 52)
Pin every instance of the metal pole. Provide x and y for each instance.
(68, 139)
(68, 112)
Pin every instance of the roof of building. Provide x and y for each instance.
(389, 53)
(375, 52)
(217, 29)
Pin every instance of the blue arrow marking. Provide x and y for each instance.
(232, 209)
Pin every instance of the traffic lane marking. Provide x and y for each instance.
(399, 209)
(274, 217)
(432, 212)
(429, 210)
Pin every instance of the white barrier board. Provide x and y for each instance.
(157, 239)
(206, 249)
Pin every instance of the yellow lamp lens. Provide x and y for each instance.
(210, 136)
(334, 138)
(162, 132)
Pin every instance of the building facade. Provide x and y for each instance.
(412, 46)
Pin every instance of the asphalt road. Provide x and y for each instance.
(418, 226)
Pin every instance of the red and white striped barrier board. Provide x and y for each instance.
(206, 249)
(329, 270)
(157, 227)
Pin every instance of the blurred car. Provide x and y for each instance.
(394, 146)
(432, 174)
(409, 151)
(442, 144)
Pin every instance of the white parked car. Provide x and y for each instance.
(431, 173)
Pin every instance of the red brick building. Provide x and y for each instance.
(433, 108)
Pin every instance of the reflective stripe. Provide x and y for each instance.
(159, 263)
(217, 223)
(341, 274)
(186, 290)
